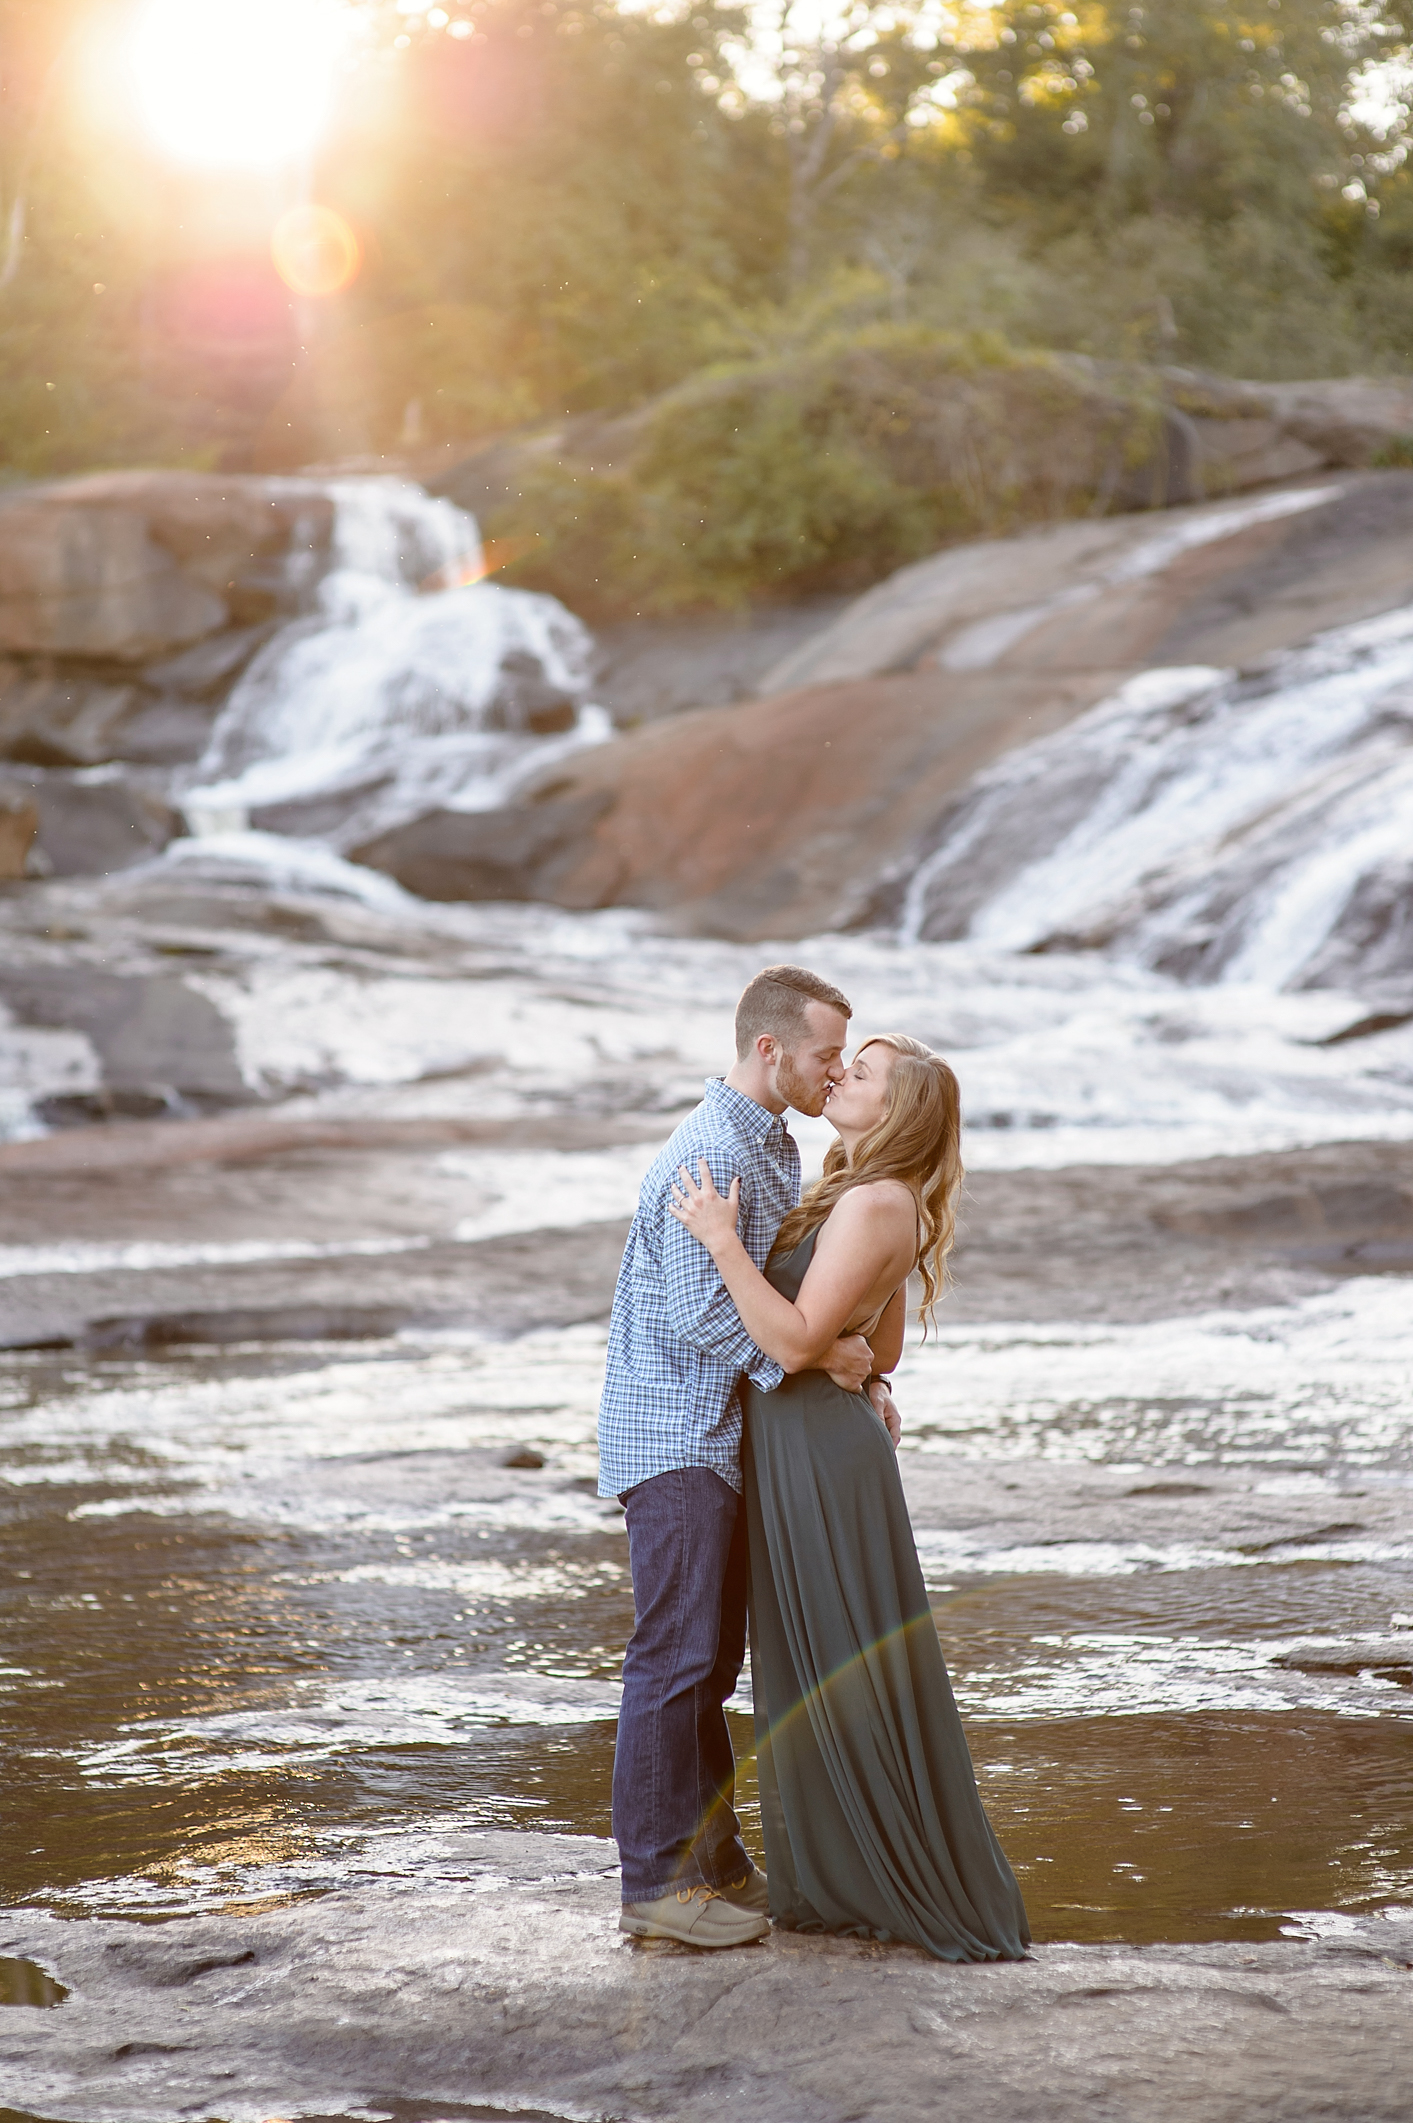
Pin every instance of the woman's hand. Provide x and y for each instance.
(709, 1216)
(886, 1409)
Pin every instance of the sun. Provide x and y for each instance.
(236, 83)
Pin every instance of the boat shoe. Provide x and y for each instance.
(694, 1916)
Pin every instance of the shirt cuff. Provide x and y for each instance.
(766, 1374)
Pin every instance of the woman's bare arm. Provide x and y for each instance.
(870, 1237)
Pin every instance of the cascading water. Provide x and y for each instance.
(410, 684)
(1206, 826)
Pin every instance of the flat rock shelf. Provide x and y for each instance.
(504, 1982)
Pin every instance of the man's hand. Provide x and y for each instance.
(849, 1363)
(886, 1408)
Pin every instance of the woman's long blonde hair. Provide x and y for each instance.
(919, 1141)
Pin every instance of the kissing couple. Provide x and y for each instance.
(748, 1429)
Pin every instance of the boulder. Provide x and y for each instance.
(156, 1036)
(1223, 583)
(132, 566)
(93, 822)
(510, 853)
(78, 581)
(147, 1333)
(250, 540)
(1346, 420)
(51, 721)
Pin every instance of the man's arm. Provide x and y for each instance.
(702, 1313)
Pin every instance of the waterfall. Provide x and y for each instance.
(410, 683)
(1206, 825)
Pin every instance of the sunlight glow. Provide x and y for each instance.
(315, 251)
(236, 83)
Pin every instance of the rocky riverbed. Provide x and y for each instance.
(311, 1212)
(480, 1975)
(312, 1196)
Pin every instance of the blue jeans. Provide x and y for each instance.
(674, 1776)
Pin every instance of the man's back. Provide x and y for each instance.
(676, 1347)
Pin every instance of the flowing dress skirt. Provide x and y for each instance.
(871, 1817)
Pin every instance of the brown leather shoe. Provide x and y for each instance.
(694, 1916)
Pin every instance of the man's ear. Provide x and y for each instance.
(768, 1048)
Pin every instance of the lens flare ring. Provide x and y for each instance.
(315, 252)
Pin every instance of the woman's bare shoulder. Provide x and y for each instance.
(881, 1193)
(876, 1201)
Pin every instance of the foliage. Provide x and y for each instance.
(822, 470)
(834, 275)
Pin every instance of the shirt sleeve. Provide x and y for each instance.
(700, 1311)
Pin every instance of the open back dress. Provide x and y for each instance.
(872, 1821)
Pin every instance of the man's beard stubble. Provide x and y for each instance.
(796, 1091)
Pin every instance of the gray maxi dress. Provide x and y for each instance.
(872, 1821)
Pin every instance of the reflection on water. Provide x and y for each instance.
(265, 1607)
(1199, 1827)
(25, 1983)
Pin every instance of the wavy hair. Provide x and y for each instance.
(919, 1141)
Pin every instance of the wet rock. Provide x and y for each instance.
(1367, 1027)
(137, 1334)
(654, 667)
(1371, 944)
(495, 1974)
(1356, 1207)
(512, 853)
(50, 721)
(203, 672)
(80, 580)
(1390, 1657)
(131, 601)
(525, 1456)
(164, 732)
(1352, 1226)
(154, 1033)
(810, 807)
(255, 543)
(528, 699)
(323, 815)
(1130, 590)
(95, 822)
(767, 819)
(84, 1109)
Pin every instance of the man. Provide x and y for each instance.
(670, 1450)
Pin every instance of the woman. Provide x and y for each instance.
(872, 1820)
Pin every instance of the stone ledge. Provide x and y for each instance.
(488, 1968)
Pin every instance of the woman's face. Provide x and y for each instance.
(859, 1103)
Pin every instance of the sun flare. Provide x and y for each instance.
(314, 250)
(235, 83)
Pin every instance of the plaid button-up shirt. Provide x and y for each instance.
(676, 1346)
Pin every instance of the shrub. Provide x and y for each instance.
(825, 470)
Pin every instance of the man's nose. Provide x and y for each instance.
(836, 1071)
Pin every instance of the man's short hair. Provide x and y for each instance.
(776, 1002)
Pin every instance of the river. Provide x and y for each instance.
(272, 1599)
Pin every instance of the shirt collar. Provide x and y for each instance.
(757, 1122)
